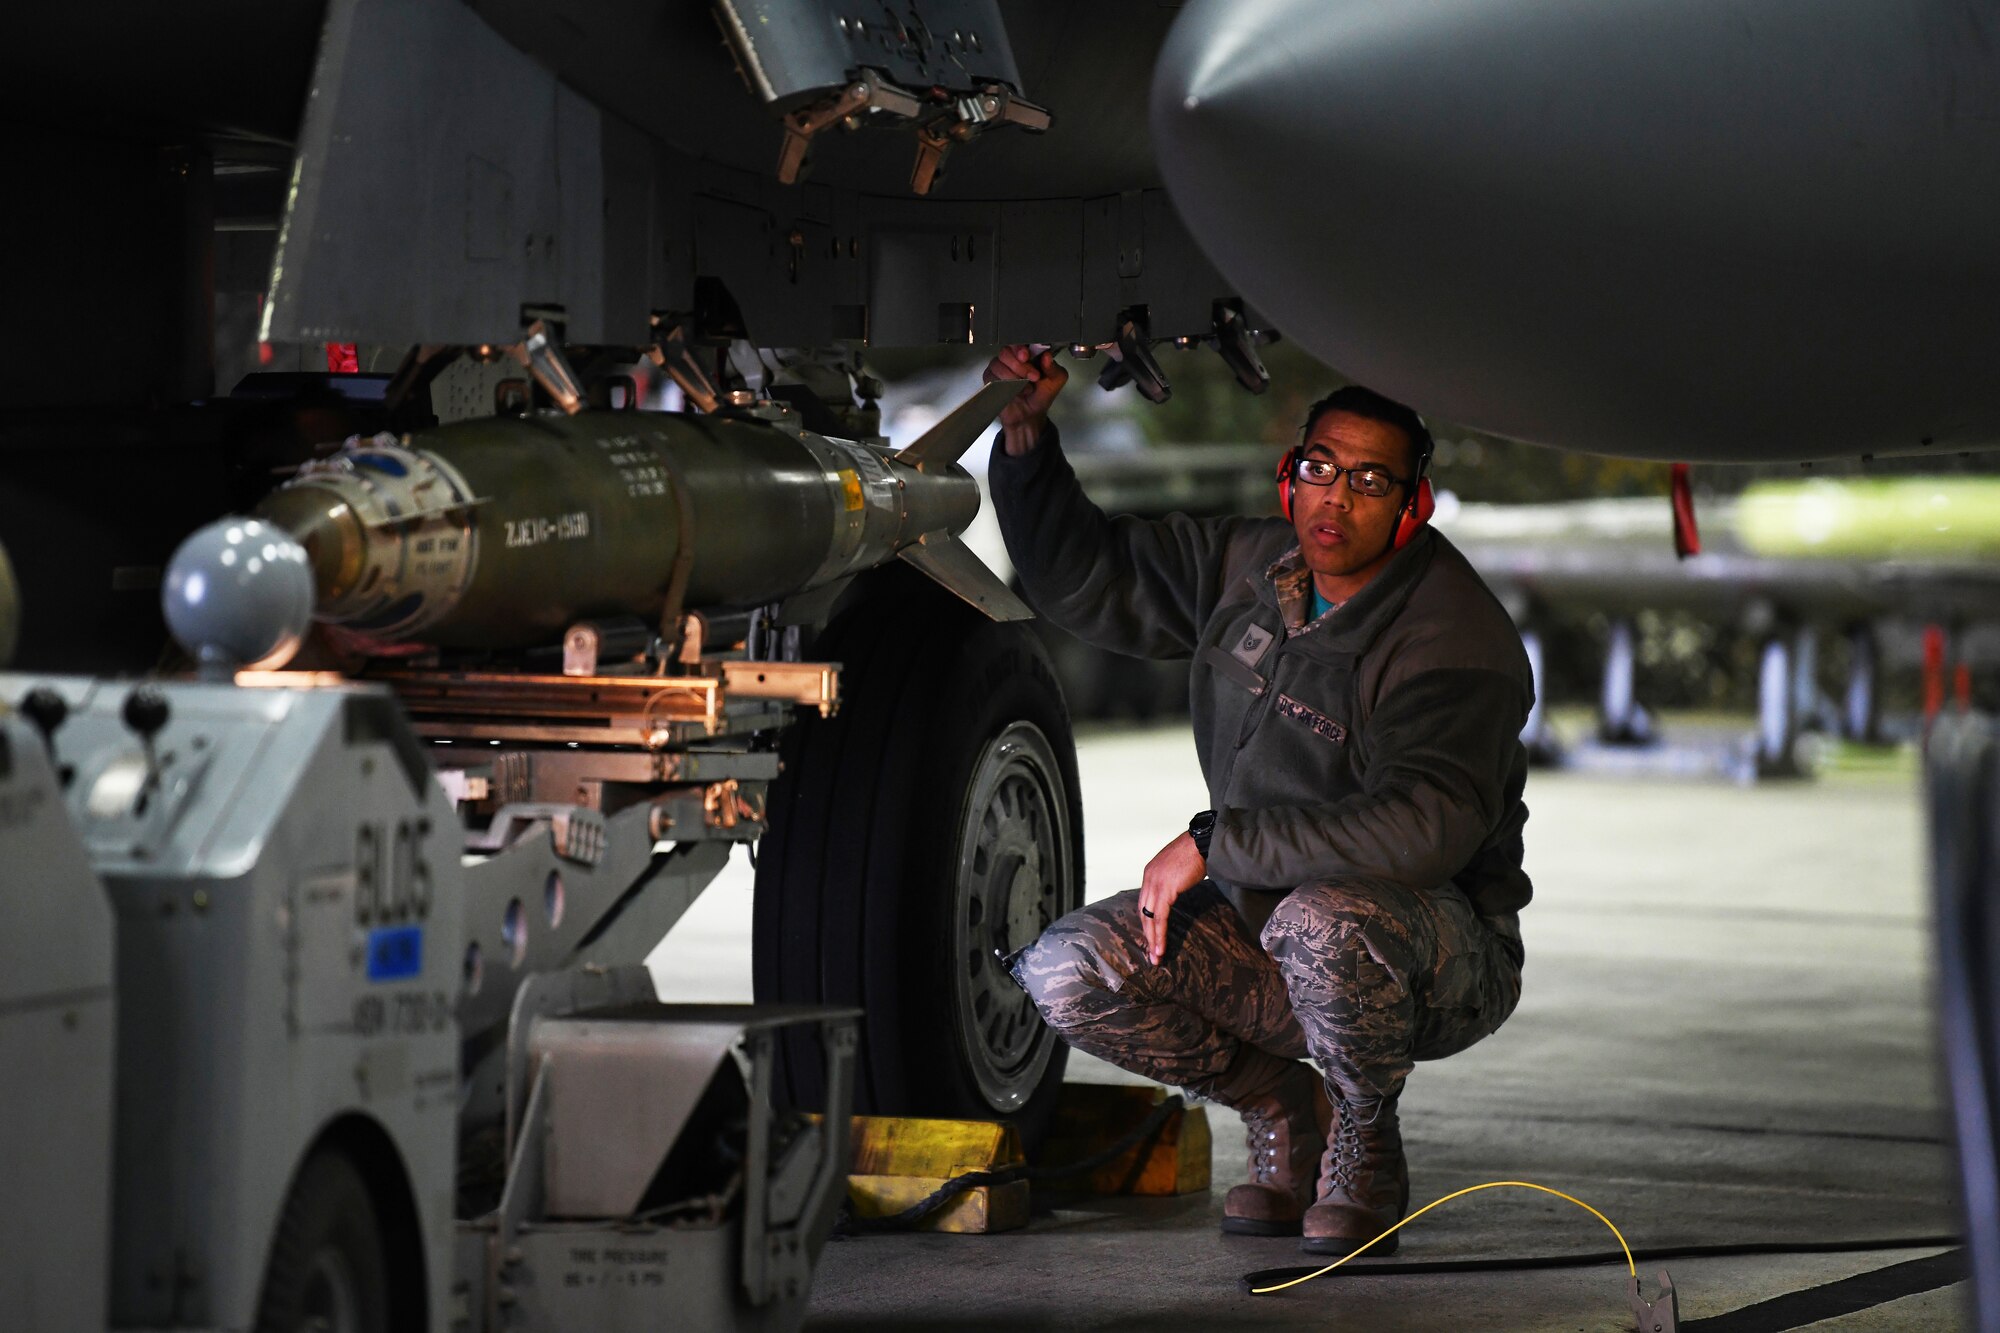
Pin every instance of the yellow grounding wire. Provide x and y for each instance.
(1470, 1189)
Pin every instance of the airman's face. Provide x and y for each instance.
(1345, 536)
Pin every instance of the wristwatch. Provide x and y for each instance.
(1201, 828)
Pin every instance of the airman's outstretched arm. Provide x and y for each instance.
(1137, 586)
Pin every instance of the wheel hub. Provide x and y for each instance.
(331, 1301)
(1024, 909)
(1013, 881)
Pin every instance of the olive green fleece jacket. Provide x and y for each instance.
(1378, 744)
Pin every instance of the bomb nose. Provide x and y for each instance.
(331, 533)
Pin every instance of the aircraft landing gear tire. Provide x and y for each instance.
(328, 1270)
(928, 830)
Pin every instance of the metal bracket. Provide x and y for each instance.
(651, 712)
(1237, 343)
(869, 92)
(520, 1199)
(1132, 360)
(694, 638)
(777, 1259)
(728, 803)
(540, 351)
(992, 105)
(1663, 1313)
(589, 645)
(672, 353)
(577, 834)
(807, 684)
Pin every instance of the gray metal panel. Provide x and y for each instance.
(640, 213)
(530, 909)
(1176, 281)
(609, 1074)
(748, 246)
(662, 68)
(249, 1016)
(1137, 252)
(443, 180)
(1040, 263)
(797, 48)
(1106, 254)
(570, 192)
(620, 1093)
(56, 1043)
(647, 917)
(57, 939)
(928, 263)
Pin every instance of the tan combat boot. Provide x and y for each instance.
(1286, 1117)
(1364, 1181)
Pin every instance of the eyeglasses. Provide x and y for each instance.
(1370, 479)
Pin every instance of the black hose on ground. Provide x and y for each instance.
(1265, 1277)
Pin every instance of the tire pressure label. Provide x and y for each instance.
(395, 953)
(615, 1266)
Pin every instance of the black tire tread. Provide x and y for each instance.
(851, 808)
(327, 1195)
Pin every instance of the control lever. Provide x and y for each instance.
(146, 713)
(47, 710)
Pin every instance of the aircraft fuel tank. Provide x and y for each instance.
(1687, 232)
(501, 533)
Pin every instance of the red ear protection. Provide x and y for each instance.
(1417, 513)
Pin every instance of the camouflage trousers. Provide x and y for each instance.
(1364, 980)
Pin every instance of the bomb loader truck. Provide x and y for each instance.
(323, 1001)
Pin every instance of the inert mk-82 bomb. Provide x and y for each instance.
(501, 533)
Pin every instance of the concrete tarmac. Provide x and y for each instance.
(1725, 1040)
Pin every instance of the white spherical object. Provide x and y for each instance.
(230, 611)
